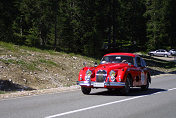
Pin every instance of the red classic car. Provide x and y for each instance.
(116, 70)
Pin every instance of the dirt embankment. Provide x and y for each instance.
(29, 69)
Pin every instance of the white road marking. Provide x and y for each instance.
(109, 103)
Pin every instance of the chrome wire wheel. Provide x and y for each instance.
(126, 88)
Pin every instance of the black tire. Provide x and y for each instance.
(110, 89)
(165, 55)
(145, 87)
(85, 90)
(151, 54)
(126, 89)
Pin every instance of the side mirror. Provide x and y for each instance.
(95, 64)
(84, 64)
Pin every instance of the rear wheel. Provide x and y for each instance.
(85, 90)
(126, 89)
(145, 87)
(166, 55)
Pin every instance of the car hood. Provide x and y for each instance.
(111, 66)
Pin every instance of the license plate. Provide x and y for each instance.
(96, 84)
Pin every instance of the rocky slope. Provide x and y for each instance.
(29, 68)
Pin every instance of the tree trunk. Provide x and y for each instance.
(114, 23)
(55, 33)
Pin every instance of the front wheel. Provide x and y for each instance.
(85, 90)
(126, 89)
(151, 54)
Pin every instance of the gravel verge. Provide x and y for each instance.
(38, 92)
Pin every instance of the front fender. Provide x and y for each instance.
(82, 73)
(121, 75)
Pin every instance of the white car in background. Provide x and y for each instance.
(173, 52)
(160, 52)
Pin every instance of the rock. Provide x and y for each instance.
(74, 58)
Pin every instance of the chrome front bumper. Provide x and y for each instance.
(88, 83)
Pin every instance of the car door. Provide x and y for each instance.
(159, 53)
(144, 72)
(163, 52)
(137, 72)
(141, 71)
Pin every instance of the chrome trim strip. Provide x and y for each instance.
(114, 83)
(87, 83)
(102, 74)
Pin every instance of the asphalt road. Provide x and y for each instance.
(158, 102)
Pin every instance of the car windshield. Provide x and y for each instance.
(117, 59)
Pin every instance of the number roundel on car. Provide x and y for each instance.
(142, 77)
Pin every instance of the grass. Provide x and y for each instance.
(30, 66)
(48, 62)
(8, 61)
(15, 48)
(2, 92)
(31, 49)
(9, 46)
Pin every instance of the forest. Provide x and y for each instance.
(89, 27)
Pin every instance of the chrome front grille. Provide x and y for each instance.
(101, 76)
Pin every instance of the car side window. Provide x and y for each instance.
(143, 63)
(138, 61)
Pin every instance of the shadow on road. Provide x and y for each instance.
(6, 85)
(133, 92)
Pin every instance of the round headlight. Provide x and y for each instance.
(112, 74)
(88, 74)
